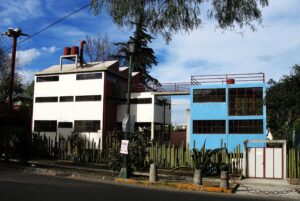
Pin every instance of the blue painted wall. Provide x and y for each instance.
(219, 111)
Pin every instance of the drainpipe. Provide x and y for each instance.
(81, 52)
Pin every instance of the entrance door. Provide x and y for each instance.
(265, 163)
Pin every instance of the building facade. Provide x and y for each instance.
(89, 100)
(227, 111)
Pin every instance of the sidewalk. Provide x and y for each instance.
(98, 173)
(268, 187)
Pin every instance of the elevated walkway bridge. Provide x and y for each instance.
(183, 88)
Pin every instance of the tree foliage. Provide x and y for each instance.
(283, 104)
(4, 80)
(167, 17)
(143, 58)
(98, 48)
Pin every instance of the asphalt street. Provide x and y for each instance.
(20, 185)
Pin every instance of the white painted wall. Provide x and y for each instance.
(69, 111)
(144, 112)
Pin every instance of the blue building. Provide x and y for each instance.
(227, 109)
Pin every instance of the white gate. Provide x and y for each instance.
(265, 163)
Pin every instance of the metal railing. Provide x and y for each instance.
(163, 87)
(224, 78)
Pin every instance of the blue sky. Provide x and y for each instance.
(272, 49)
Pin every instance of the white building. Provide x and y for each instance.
(89, 99)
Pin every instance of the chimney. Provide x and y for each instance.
(81, 52)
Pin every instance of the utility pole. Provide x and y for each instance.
(14, 34)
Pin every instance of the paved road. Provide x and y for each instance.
(19, 185)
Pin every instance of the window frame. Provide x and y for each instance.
(88, 98)
(213, 95)
(65, 124)
(88, 76)
(48, 99)
(94, 127)
(47, 78)
(66, 99)
(246, 101)
(243, 126)
(208, 127)
(48, 128)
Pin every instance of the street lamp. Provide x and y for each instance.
(131, 49)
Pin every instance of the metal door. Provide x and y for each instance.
(265, 163)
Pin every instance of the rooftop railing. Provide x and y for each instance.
(227, 78)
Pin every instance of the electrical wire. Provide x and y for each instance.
(52, 24)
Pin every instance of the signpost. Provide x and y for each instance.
(124, 147)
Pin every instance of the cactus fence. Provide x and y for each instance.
(167, 156)
(294, 164)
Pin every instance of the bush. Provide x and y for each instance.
(137, 150)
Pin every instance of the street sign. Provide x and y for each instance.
(124, 147)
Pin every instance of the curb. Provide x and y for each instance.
(176, 185)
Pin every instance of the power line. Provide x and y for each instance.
(54, 23)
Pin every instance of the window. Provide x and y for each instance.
(46, 99)
(45, 126)
(47, 79)
(208, 95)
(141, 100)
(245, 126)
(65, 125)
(162, 103)
(88, 98)
(89, 76)
(245, 101)
(209, 126)
(87, 126)
(66, 99)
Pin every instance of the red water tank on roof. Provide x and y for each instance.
(230, 81)
(67, 51)
(74, 50)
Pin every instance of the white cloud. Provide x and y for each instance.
(20, 10)
(51, 49)
(25, 57)
(273, 49)
(7, 22)
(27, 75)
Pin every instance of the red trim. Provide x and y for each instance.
(273, 164)
(282, 163)
(255, 163)
(104, 108)
(264, 162)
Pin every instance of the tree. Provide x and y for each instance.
(143, 57)
(4, 81)
(167, 17)
(283, 104)
(98, 48)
